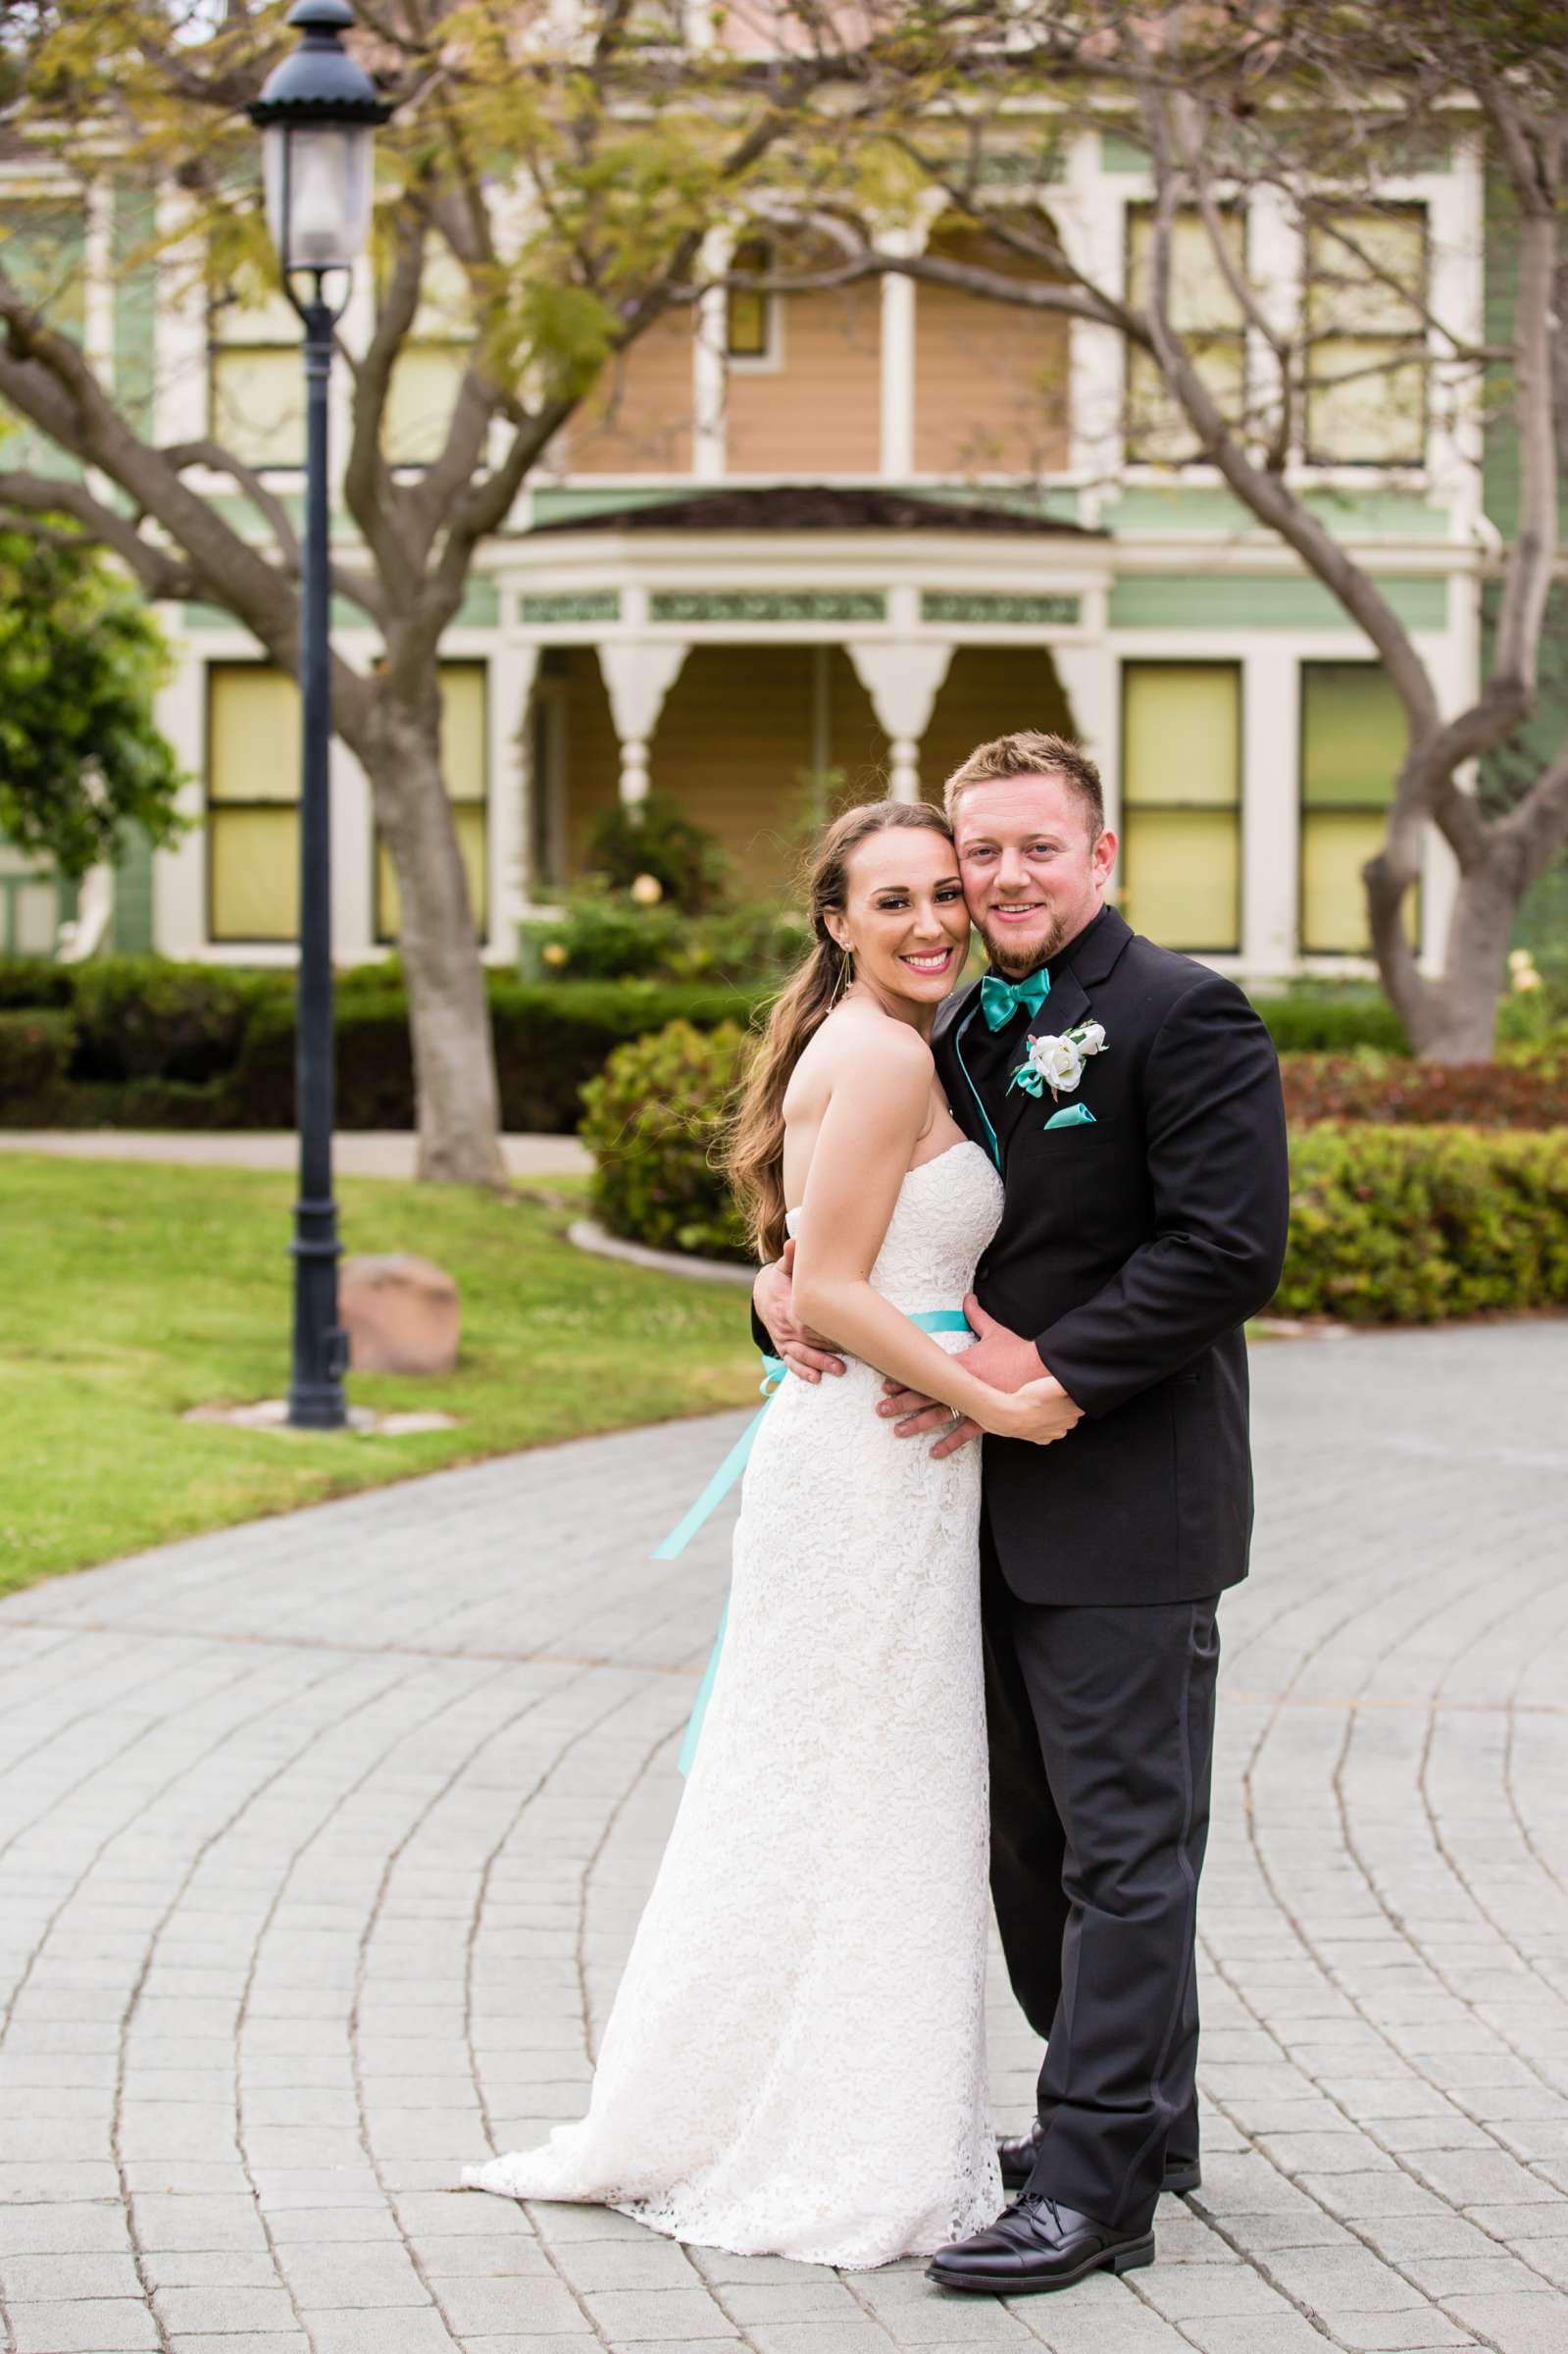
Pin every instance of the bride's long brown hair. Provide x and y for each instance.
(754, 1159)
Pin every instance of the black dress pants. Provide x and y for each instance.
(1102, 1726)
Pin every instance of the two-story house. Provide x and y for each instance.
(815, 545)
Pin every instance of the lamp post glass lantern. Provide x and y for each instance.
(317, 114)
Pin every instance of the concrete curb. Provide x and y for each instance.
(588, 1235)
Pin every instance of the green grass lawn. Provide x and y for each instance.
(129, 1293)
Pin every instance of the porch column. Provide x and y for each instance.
(898, 359)
(1088, 677)
(1271, 823)
(637, 677)
(903, 682)
(709, 374)
(513, 669)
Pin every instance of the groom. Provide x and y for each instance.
(1130, 1099)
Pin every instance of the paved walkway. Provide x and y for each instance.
(321, 1843)
(356, 1152)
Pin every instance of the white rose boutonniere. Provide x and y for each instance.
(1056, 1063)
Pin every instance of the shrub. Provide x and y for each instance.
(35, 1046)
(1527, 1090)
(1389, 1224)
(1329, 1020)
(653, 1123)
(1411, 1225)
(657, 838)
(601, 937)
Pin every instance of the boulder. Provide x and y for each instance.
(400, 1312)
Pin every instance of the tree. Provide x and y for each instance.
(554, 186)
(79, 663)
(1306, 108)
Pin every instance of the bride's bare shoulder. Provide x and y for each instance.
(860, 1044)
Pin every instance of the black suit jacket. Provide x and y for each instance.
(1131, 1249)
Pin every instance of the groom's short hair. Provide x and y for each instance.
(1031, 755)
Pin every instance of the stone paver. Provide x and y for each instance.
(322, 1842)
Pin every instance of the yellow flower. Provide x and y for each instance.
(647, 891)
(1526, 977)
(554, 951)
(1519, 959)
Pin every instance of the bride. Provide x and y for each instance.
(796, 2060)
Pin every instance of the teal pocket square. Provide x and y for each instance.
(1072, 1115)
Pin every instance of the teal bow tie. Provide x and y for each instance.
(1000, 999)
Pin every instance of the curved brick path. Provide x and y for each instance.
(320, 1841)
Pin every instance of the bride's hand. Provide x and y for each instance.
(1041, 1412)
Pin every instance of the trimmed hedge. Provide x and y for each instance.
(35, 1055)
(1331, 1021)
(154, 1045)
(1389, 1224)
(1527, 1090)
(36, 981)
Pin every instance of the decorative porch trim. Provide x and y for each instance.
(989, 610)
(590, 604)
(767, 604)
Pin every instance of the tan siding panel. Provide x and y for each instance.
(733, 748)
(990, 383)
(989, 690)
(638, 418)
(859, 748)
(822, 409)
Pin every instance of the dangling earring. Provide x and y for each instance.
(846, 975)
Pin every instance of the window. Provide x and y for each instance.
(1366, 401)
(465, 765)
(750, 316)
(1210, 319)
(1352, 741)
(32, 905)
(430, 366)
(1182, 804)
(252, 803)
(257, 375)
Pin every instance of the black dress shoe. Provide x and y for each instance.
(1037, 2245)
(1017, 2157)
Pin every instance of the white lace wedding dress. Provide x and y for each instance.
(796, 2060)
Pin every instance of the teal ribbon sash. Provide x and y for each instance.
(729, 1471)
(930, 1320)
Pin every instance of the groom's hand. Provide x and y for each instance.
(1003, 1358)
(806, 1352)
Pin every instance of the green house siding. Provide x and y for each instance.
(132, 924)
(136, 303)
(1179, 510)
(1234, 601)
(1500, 460)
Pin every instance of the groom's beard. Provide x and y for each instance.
(1014, 960)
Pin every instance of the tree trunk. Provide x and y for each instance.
(457, 1101)
(1454, 1018)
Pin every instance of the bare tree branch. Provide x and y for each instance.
(162, 576)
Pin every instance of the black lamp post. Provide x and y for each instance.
(318, 115)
